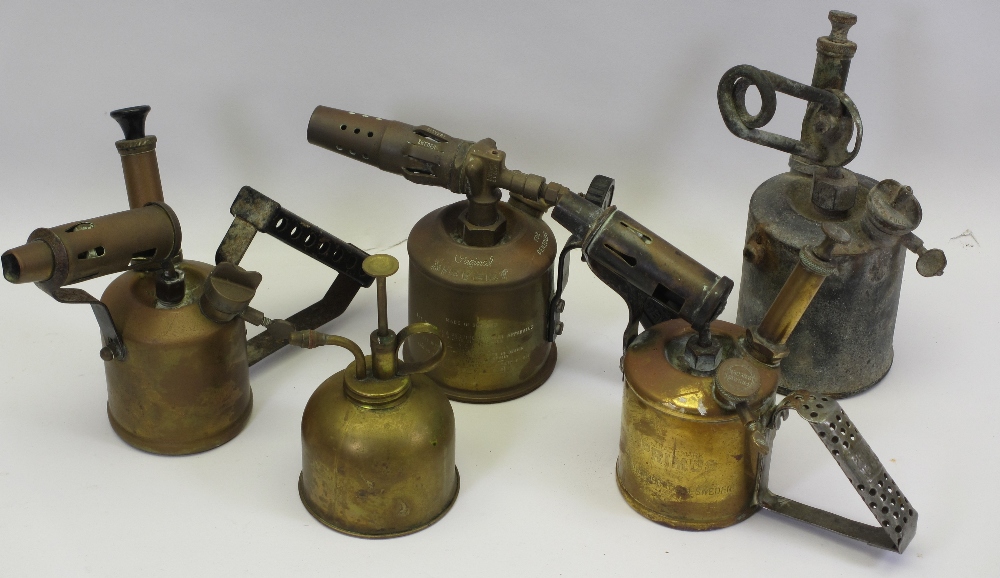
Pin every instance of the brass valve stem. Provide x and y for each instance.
(770, 337)
(383, 340)
(483, 197)
(834, 52)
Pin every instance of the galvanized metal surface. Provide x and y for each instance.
(844, 344)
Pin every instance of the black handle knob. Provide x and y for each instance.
(601, 191)
(132, 120)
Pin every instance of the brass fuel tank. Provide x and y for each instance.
(700, 413)
(489, 303)
(844, 343)
(184, 385)
(481, 270)
(378, 438)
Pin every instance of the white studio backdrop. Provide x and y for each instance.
(568, 90)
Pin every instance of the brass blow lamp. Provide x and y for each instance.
(174, 344)
(378, 438)
(844, 342)
(700, 414)
(173, 331)
(480, 269)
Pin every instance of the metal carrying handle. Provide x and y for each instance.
(254, 211)
(411, 367)
(732, 105)
(896, 516)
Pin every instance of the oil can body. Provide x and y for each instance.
(490, 304)
(378, 471)
(184, 384)
(684, 460)
(843, 343)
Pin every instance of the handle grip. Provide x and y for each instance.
(826, 128)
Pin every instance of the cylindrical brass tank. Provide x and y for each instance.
(490, 304)
(686, 461)
(378, 470)
(184, 384)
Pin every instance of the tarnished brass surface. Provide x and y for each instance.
(489, 303)
(686, 461)
(844, 343)
(699, 419)
(176, 364)
(184, 386)
(138, 238)
(378, 470)
(378, 438)
(480, 270)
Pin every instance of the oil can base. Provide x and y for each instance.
(499, 395)
(316, 514)
(678, 524)
(168, 448)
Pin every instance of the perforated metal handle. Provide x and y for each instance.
(896, 516)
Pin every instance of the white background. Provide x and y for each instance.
(568, 89)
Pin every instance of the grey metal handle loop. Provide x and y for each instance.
(732, 105)
(896, 516)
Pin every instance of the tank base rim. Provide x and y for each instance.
(316, 514)
(838, 394)
(674, 523)
(184, 448)
(506, 394)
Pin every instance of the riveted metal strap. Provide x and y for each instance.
(110, 337)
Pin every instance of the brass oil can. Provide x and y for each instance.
(843, 345)
(700, 414)
(173, 333)
(480, 269)
(378, 438)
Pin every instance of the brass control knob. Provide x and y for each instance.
(736, 381)
(227, 291)
(601, 191)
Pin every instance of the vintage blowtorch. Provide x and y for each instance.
(700, 414)
(844, 342)
(378, 437)
(480, 269)
(173, 334)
